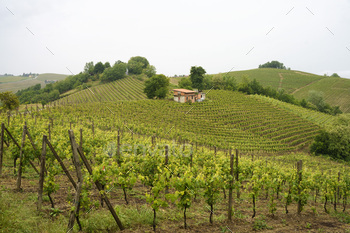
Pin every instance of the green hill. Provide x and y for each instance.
(226, 117)
(336, 90)
(124, 89)
(15, 83)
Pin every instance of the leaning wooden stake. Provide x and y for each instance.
(42, 173)
(99, 187)
(19, 176)
(61, 163)
(75, 212)
(230, 188)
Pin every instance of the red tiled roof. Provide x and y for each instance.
(184, 90)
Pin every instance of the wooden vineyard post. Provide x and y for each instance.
(19, 175)
(237, 174)
(61, 163)
(8, 119)
(49, 128)
(81, 138)
(42, 173)
(166, 164)
(299, 169)
(118, 148)
(75, 212)
(1, 146)
(230, 188)
(99, 187)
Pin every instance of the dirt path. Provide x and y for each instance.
(295, 91)
(281, 80)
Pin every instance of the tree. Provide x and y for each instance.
(197, 76)
(185, 83)
(316, 98)
(335, 75)
(9, 101)
(99, 68)
(118, 71)
(157, 86)
(107, 65)
(89, 68)
(137, 64)
(335, 139)
(149, 71)
(273, 64)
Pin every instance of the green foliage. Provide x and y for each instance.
(137, 64)
(335, 75)
(99, 68)
(157, 86)
(8, 100)
(197, 76)
(107, 65)
(149, 71)
(185, 83)
(317, 99)
(273, 64)
(118, 71)
(335, 140)
(89, 68)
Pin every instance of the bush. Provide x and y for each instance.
(334, 140)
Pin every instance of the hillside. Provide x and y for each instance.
(124, 89)
(336, 90)
(15, 83)
(225, 118)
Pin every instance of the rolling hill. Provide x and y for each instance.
(15, 83)
(248, 123)
(336, 90)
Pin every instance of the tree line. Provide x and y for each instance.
(103, 72)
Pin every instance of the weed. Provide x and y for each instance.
(260, 224)
(308, 225)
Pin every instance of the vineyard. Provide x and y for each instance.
(227, 118)
(97, 170)
(124, 89)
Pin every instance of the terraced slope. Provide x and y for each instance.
(225, 118)
(123, 89)
(315, 117)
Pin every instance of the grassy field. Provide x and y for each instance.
(19, 83)
(9, 79)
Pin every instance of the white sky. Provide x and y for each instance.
(175, 35)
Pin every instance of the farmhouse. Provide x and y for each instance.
(184, 95)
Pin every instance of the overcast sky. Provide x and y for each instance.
(50, 36)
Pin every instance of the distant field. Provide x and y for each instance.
(7, 79)
(15, 83)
